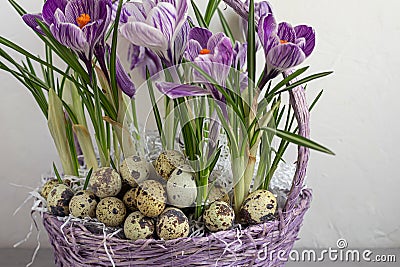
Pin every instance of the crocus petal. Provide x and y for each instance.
(68, 34)
(267, 31)
(306, 32)
(124, 81)
(201, 35)
(135, 55)
(240, 55)
(50, 7)
(135, 11)
(224, 52)
(180, 42)
(163, 17)
(214, 40)
(141, 34)
(174, 90)
(31, 21)
(286, 32)
(192, 50)
(285, 56)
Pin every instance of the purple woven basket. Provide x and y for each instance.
(267, 244)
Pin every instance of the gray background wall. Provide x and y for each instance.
(355, 193)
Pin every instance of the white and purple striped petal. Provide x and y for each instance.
(173, 90)
(286, 32)
(142, 34)
(285, 56)
(50, 7)
(31, 21)
(306, 32)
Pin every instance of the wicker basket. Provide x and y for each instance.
(266, 244)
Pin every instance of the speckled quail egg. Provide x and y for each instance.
(83, 204)
(58, 200)
(172, 224)
(137, 226)
(134, 170)
(111, 211)
(45, 190)
(167, 162)
(105, 182)
(151, 198)
(181, 189)
(129, 199)
(219, 216)
(258, 207)
(216, 193)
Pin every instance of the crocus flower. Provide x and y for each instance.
(284, 46)
(77, 24)
(214, 55)
(159, 25)
(260, 9)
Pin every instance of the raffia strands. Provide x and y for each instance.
(235, 247)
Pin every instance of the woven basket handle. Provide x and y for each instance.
(299, 104)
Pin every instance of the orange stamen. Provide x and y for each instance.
(83, 20)
(283, 41)
(205, 51)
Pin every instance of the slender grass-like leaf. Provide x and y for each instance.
(225, 26)
(299, 140)
(113, 57)
(286, 80)
(251, 54)
(58, 176)
(210, 11)
(86, 144)
(17, 7)
(199, 17)
(87, 179)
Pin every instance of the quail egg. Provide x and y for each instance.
(219, 216)
(216, 193)
(181, 189)
(58, 200)
(167, 162)
(83, 204)
(105, 182)
(137, 226)
(111, 211)
(47, 187)
(134, 170)
(258, 207)
(171, 224)
(129, 199)
(151, 198)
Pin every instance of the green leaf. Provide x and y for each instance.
(226, 26)
(87, 179)
(210, 11)
(17, 7)
(286, 80)
(251, 55)
(299, 140)
(86, 144)
(199, 17)
(60, 181)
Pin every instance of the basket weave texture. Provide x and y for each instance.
(267, 244)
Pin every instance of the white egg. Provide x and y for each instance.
(181, 189)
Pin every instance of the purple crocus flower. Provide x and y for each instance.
(77, 24)
(159, 25)
(284, 46)
(214, 55)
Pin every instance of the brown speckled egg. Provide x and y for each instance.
(219, 216)
(83, 204)
(151, 198)
(137, 226)
(181, 189)
(111, 211)
(167, 162)
(129, 199)
(172, 224)
(258, 207)
(134, 170)
(216, 193)
(105, 182)
(47, 187)
(58, 200)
